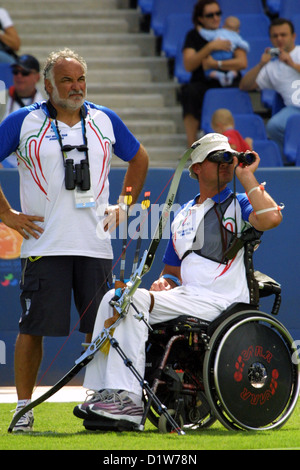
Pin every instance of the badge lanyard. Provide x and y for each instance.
(65, 148)
(84, 198)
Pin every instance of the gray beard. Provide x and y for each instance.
(66, 103)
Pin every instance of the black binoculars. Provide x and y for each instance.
(227, 157)
(77, 175)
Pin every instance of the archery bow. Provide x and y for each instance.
(123, 303)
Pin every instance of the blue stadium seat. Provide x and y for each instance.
(273, 6)
(297, 162)
(296, 23)
(6, 75)
(267, 97)
(235, 7)
(175, 28)
(272, 100)
(268, 152)
(181, 75)
(250, 125)
(146, 6)
(237, 101)
(289, 8)
(291, 138)
(162, 8)
(257, 47)
(254, 25)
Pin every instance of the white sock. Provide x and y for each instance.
(22, 403)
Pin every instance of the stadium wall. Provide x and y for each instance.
(278, 256)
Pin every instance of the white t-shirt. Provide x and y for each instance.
(277, 75)
(11, 106)
(67, 230)
(5, 19)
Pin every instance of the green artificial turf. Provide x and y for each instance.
(56, 428)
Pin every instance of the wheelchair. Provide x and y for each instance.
(240, 369)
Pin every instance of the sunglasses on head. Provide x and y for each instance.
(211, 15)
(24, 73)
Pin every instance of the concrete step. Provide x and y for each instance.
(151, 127)
(173, 113)
(146, 42)
(166, 89)
(88, 52)
(117, 101)
(157, 66)
(175, 140)
(71, 26)
(131, 16)
(15, 5)
(167, 157)
(117, 76)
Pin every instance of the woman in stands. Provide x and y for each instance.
(197, 57)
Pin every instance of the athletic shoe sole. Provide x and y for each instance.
(114, 416)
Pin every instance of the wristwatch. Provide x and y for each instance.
(220, 63)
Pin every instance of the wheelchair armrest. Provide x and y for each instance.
(268, 286)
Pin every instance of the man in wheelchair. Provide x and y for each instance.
(204, 273)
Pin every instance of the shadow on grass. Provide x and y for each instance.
(147, 433)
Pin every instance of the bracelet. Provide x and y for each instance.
(173, 278)
(220, 63)
(260, 186)
(274, 208)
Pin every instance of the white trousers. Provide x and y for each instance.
(109, 371)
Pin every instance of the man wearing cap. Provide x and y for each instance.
(200, 278)
(26, 74)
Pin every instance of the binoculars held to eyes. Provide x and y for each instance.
(77, 175)
(227, 157)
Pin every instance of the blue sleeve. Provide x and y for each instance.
(242, 44)
(246, 206)
(170, 257)
(208, 34)
(10, 130)
(126, 145)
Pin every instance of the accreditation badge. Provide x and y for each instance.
(84, 199)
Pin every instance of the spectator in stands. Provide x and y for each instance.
(26, 74)
(9, 38)
(280, 72)
(222, 122)
(197, 57)
(229, 31)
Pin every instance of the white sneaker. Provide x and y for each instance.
(119, 406)
(25, 423)
(80, 411)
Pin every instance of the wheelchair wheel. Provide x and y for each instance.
(250, 379)
(163, 424)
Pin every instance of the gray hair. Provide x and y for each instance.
(55, 57)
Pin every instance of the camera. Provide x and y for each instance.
(274, 52)
(227, 157)
(77, 175)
